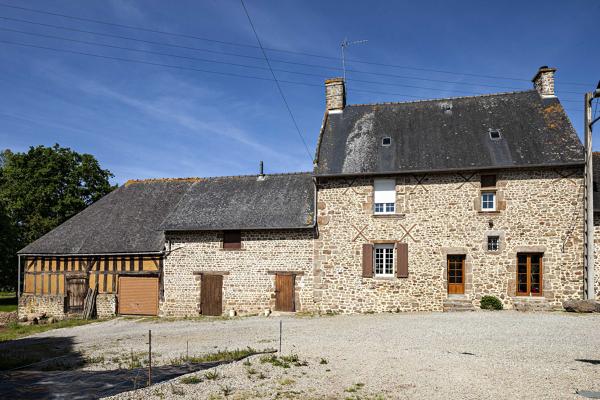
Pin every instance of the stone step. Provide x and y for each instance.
(451, 305)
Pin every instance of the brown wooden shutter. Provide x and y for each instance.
(401, 260)
(367, 261)
(232, 240)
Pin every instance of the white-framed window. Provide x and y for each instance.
(383, 260)
(385, 196)
(493, 243)
(488, 201)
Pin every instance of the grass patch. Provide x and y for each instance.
(15, 331)
(190, 380)
(223, 355)
(286, 382)
(211, 375)
(8, 301)
(283, 361)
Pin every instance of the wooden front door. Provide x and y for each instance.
(76, 292)
(284, 292)
(456, 274)
(138, 295)
(211, 294)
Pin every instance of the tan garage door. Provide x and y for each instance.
(138, 295)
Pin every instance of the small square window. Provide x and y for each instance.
(384, 260)
(495, 134)
(488, 181)
(493, 243)
(386, 141)
(488, 201)
(232, 240)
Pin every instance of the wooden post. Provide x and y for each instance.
(187, 350)
(149, 357)
(280, 331)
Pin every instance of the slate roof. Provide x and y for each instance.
(448, 134)
(124, 221)
(246, 202)
(132, 219)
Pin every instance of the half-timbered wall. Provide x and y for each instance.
(47, 275)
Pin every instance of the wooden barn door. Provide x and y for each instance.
(456, 274)
(284, 292)
(211, 295)
(138, 295)
(76, 292)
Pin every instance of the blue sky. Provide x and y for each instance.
(146, 121)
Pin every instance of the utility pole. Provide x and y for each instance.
(588, 264)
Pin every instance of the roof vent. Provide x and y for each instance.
(495, 134)
(386, 141)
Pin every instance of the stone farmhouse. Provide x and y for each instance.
(411, 206)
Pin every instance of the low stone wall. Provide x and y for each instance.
(52, 305)
(106, 305)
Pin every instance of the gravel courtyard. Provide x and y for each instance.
(470, 355)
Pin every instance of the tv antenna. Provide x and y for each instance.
(346, 43)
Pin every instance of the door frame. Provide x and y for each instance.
(292, 276)
(202, 281)
(463, 259)
(70, 277)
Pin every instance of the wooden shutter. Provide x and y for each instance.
(367, 261)
(401, 260)
(232, 240)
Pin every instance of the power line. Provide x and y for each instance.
(179, 67)
(277, 82)
(241, 55)
(263, 68)
(270, 49)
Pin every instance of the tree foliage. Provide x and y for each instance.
(39, 190)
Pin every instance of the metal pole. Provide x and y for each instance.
(149, 357)
(280, 330)
(187, 350)
(589, 292)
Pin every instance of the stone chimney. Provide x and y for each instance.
(335, 94)
(543, 81)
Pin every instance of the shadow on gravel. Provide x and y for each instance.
(87, 384)
(46, 353)
(584, 360)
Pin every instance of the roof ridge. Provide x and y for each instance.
(198, 179)
(442, 98)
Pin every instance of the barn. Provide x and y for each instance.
(129, 246)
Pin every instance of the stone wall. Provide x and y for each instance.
(248, 273)
(437, 215)
(52, 305)
(106, 305)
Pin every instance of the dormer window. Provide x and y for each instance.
(495, 134)
(386, 141)
(384, 196)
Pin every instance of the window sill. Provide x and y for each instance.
(488, 212)
(241, 249)
(383, 278)
(389, 215)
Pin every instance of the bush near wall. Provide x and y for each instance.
(491, 303)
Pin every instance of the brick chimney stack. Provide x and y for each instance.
(335, 95)
(543, 81)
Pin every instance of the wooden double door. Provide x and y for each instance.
(456, 274)
(284, 292)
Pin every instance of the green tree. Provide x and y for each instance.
(42, 188)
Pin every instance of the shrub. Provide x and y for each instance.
(491, 303)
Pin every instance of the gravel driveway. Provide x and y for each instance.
(471, 355)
